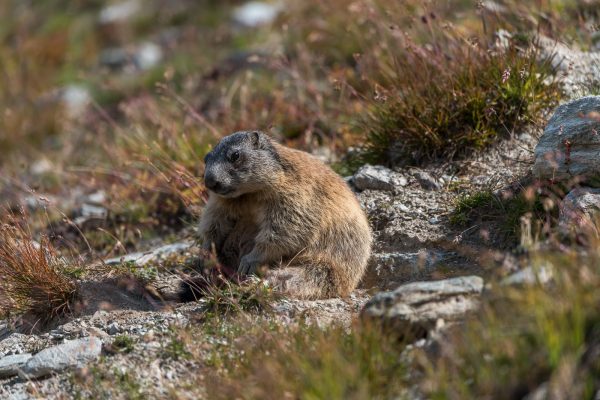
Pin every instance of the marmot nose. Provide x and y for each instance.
(211, 182)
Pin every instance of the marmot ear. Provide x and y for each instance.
(256, 139)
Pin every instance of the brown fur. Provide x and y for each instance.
(305, 225)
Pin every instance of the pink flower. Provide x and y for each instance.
(505, 75)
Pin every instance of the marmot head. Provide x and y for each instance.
(243, 162)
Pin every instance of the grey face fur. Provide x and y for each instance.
(243, 162)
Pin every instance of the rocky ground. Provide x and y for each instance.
(415, 242)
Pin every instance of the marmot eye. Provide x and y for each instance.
(234, 156)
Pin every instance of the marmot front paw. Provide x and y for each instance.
(248, 265)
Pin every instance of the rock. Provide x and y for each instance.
(142, 57)
(426, 180)
(570, 145)
(541, 393)
(143, 258)
(579, 211)
(415, 308)
(93, 211)
(76, 99)
(5, 330)
(41, 167)
(97, 198)
(71, 354)
(580, 70)
(114, 57)
(119, 12)
(10, 365)
(256, 13)
(595, 37)
(377, 177)
(147, 55)
(90, 214)
(114, 328)
(529, 276)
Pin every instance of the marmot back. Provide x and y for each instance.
(283, 211)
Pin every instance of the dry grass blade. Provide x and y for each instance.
(30, 281)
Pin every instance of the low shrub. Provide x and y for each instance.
(30, 277)
(445, 101)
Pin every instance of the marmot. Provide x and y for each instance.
(283, 209)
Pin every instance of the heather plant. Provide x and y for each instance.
(441, 103)
(31, 278)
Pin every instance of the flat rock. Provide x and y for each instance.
(146, 257)
(378, 177)
(71, 354)
(415, 308)
(570, 145)
(10, 365)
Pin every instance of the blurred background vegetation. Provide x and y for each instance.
(143, 87)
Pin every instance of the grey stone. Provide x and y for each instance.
(579, 211)
(541, 393)
(529, 276)
(4, 329)
(256, 13)
(579, 70)
(570, 145)
(71, 354)
(377, 177)
(415, 308)
(114, 57)
(595, 37)
(76, 99)
(119, 12)
(426, 180)
(147, 55)
(92, 211)
(114, 328)
(41, 167)
(10, 365)
(96, 198)
(90, 215)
